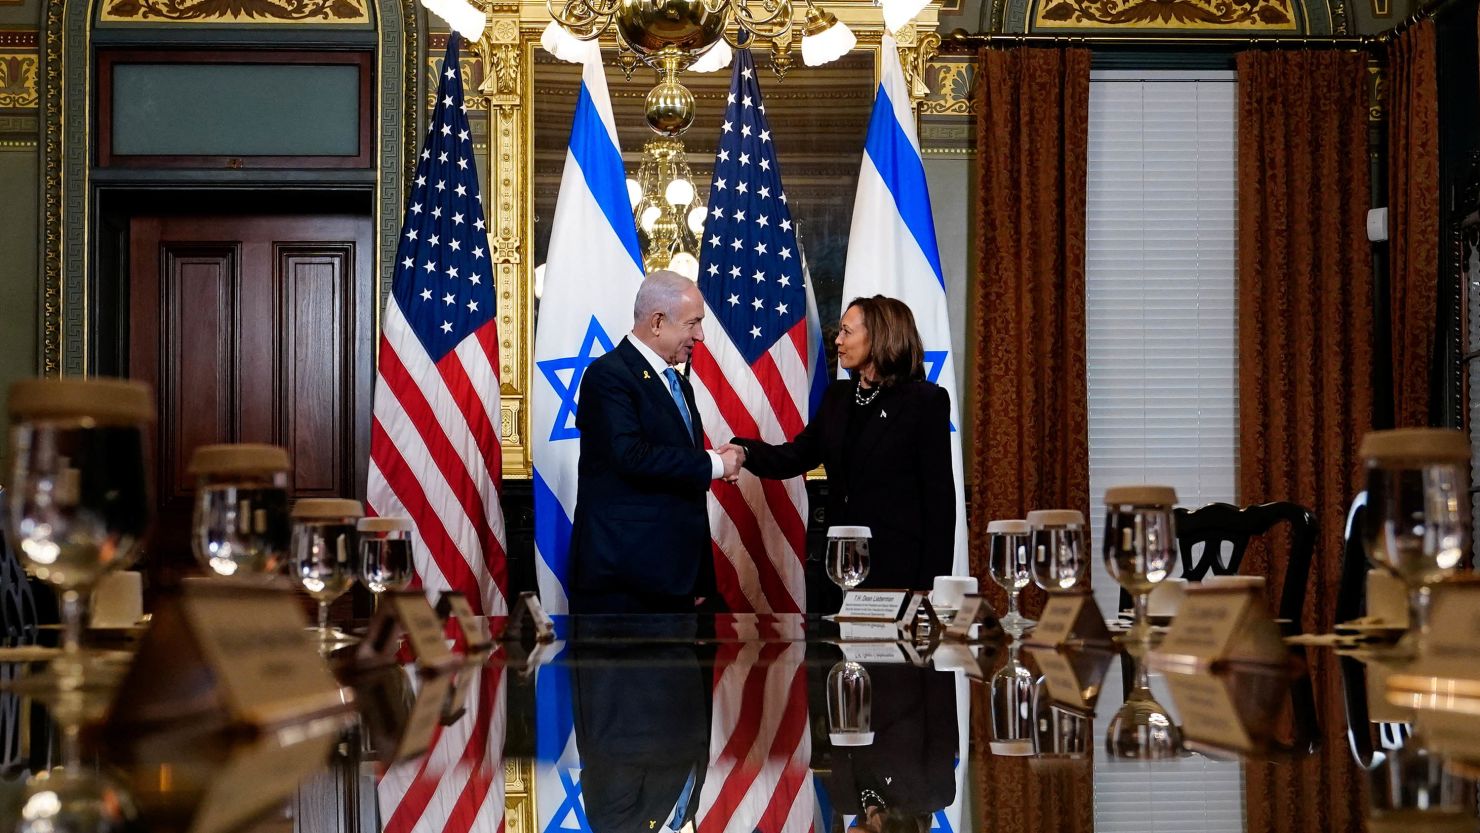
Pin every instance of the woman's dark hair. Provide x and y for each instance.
(894, 341)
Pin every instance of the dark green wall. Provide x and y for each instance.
(20, 246)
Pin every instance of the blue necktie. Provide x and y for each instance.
(677, 392)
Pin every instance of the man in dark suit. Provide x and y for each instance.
(640, 542)
(642, 713)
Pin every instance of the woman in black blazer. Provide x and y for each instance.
(885, 438)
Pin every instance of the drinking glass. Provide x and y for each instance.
(1415, 526)
(80, 503)
(847, 555)
(1011, 696)
(1140, 545)
(1059, 732)
(850, 704)
(74, 796)
(385, 554)
(1010, 567)
(322, 551)
(1058, 549)
(240, 524)
(1142, 729)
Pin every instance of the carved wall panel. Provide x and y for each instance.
(235, 11)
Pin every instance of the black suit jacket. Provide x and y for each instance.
(896, 480)
(641, 525)
(911, 763)
(642, 727)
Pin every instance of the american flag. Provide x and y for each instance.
(434, 446)
(752, 371)
(760, 742)
(458, 785)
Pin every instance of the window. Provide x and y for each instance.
(1162, 363)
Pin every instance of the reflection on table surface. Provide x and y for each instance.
(774, 724)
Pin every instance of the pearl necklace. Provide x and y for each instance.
(869, 798)
(863, 399)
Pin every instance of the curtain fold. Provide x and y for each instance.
(1305, 358)
(1413, 217)
(1031, 401)
(1030, 408)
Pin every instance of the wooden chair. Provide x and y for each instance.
(1216, 523)
(1351, 593)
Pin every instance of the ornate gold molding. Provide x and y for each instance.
(19, 79)
(254, 12)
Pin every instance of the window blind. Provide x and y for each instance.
(1162, 367)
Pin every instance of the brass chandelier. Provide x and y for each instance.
(667, 209)
(676, 35)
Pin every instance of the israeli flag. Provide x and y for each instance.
(892, 249)
(590, 281)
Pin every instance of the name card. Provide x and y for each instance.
(228, 694)
(224, 654)
(405, 613)
(974, 610)
(474, 628)
(1073, 677)
(868, 631)
(1233, 711)
(872, 605)
(1221, 624)
(401, 722)
(1071, 619)
(876, 652)
(1454, 620)
(528, 621)
(254, 780)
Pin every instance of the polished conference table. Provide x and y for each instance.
(742, 723)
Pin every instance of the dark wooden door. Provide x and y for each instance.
(253, 329)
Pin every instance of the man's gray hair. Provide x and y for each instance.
(660, 292)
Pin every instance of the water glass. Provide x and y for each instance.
(1142, 729)
(80, 503)
(847, 555)
(385, 554)
(240, 525)
(1011, 698)
(1140, 545)
(1416, 523)
(850, 705)
(323, 546)
(1058, 549)
(1009, 565)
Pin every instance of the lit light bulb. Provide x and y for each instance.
(679, 192)
(634, 192)
(697, 215)
(685, 264)
(649, 217)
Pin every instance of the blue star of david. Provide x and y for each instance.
(935, 362)
(570, 805)
(565, 427)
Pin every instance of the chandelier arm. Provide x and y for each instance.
(765, 26)
(583, 19)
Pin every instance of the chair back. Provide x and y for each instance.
(1351, 593)
(1216, 523)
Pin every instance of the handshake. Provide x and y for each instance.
(734, 458)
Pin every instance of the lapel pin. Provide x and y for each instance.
(646, 375)
(883, 414)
